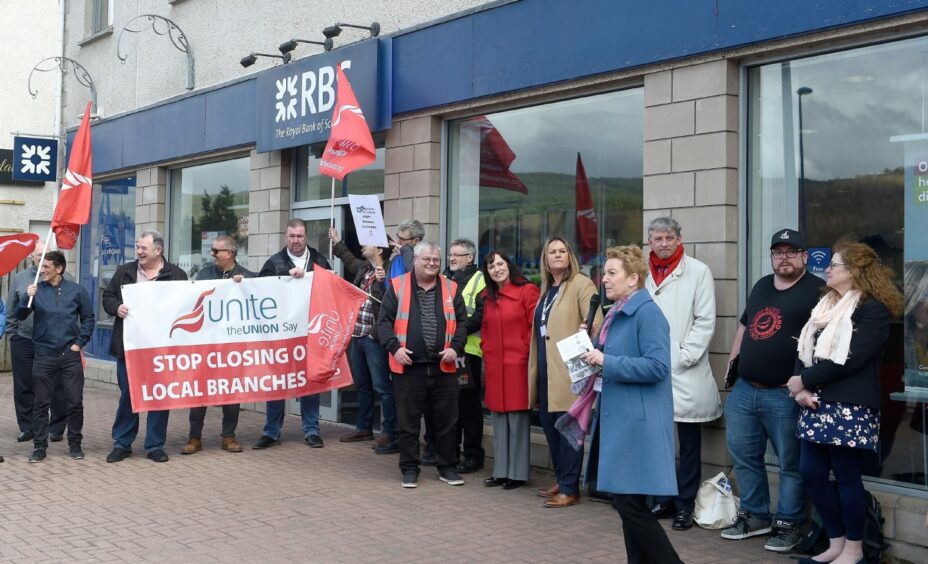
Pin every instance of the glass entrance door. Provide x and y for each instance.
(317, 236)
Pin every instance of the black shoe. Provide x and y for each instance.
(24, 436)
(662, 511)
(38, 455)
(429, 459)
(469, 466)
(265, 442)
(313, 441)
(513, 484)
(118, 454)
(450, 477)
(158, 455)
(495, 482)
(410, 478)
(55, 438)
(76, 452)
(1, 459)
(389, 448)
(683, 520)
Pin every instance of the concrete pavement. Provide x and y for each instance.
(341, 503)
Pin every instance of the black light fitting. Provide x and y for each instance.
(289, 46)
(336, 30)
(250, 59)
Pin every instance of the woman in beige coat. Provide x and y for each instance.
(562, 308)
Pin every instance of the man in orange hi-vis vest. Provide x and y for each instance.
(423, 325)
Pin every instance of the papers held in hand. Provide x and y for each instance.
(571, 348)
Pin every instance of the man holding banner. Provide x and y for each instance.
(151, 266)
(423, 325)
(296, 259)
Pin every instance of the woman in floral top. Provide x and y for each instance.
(838, 387)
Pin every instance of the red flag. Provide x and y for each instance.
(587, 229)
(495, 158)
(14, 248)
(350, 145)
(73, 209)
(333, 310)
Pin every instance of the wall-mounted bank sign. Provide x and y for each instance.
(295, 100)
(35, 159)
(8, 163)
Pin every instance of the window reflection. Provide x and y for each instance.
(311, 185)
(840, 176)
(516, 178)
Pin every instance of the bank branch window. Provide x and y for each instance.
(838, 147)
(208, 201)
(571, 169)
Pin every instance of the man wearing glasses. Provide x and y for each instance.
(423, 325)
(225, 265)
(759, 407)
(408, 234)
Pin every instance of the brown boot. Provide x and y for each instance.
(229, 445)
(550, 491)
(192, 446)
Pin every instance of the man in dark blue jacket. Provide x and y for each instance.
(63, 324)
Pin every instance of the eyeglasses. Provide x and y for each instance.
(833, 264)
(430, 260)
(214, 251)
(791, 253)
(459, 255)
(402, 239)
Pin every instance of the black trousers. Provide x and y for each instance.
(470, 413)
(64, 370)
(22, 353)
(689, 472)
(229, 420)
(645, 540)
(418, 388)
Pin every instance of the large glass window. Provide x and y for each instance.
(521, 176)
(107, 242)
(834, 146)
(207, 201)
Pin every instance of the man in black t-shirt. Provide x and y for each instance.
(759, 407)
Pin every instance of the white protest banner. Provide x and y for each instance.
(216, 342)
(368, 221)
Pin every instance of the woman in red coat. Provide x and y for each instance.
(506, 336)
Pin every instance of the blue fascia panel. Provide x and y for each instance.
(231, 116)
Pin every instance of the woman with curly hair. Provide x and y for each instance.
(838, 387)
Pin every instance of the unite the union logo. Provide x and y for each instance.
(193, 321)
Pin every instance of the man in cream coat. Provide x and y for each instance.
(683, 288)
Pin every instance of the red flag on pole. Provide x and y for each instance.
(587, 229)
(496, 157)
(333, 310)
(14, 248)
(73, 209)
(350, 145)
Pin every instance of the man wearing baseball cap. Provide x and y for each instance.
(759, 407)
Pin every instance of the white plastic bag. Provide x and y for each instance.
(716, 506)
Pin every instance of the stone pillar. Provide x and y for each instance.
(268, 205)
(150, 200)
(691, 174)
(412, 175)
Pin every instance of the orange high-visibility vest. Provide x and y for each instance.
(401, 286)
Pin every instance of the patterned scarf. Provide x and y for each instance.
(833, 317)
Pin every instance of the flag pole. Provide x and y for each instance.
(332, 217)
(38, 270)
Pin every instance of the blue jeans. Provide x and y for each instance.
(369, 369)
(126, 425)
(567, 461)
(754, 415)
(309, 412)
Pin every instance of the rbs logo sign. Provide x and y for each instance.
(295, 100)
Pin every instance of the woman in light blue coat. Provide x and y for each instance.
(635, 423)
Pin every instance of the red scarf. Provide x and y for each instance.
(661, 268)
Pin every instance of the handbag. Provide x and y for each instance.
(716, 505)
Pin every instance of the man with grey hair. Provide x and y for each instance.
(423, 325)
(685, 291)
(150, 267)
(408, 234)
(224, 250)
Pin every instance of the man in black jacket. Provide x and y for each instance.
(151, 266)
(224, 251)
(423, 325)
(296, 259)
(64, 323)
